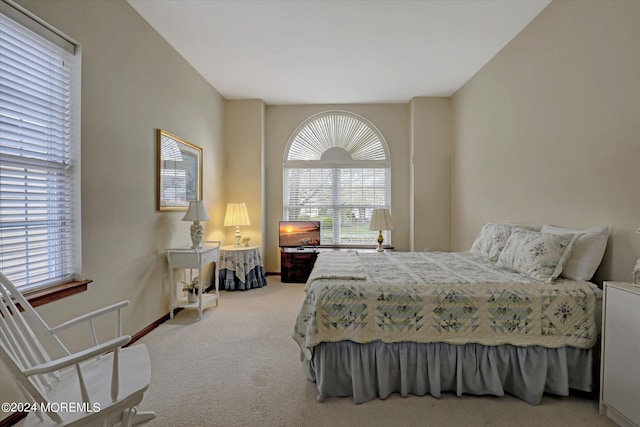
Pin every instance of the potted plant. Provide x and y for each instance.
(192, 288)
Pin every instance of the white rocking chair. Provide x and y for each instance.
(99, 386)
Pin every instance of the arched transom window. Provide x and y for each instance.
(336, 170)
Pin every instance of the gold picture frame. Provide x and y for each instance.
(179, 177)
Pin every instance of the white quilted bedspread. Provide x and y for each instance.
(428, 297)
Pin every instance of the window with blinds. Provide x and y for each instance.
(336, 170)
(36, 164)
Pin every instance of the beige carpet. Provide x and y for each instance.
(240, 367)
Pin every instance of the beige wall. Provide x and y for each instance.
(392, 120)
(244, 139)
(133, 83)
(431, 141)
(548, 130)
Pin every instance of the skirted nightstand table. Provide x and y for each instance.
(241, 268)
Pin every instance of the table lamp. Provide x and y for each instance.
(380, 220)
(236, 215)
(196, 213)
(636, 269)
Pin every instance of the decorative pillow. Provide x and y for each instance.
(491, 240)
(541, 256)
(526, 226)
(587, 252)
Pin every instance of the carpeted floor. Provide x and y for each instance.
(239, 366)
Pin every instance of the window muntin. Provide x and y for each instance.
(340, 189)
(37, 181)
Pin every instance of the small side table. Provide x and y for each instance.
(241, 268)
(193, 259)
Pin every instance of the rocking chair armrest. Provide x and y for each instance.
(78, 357)
(89, 316)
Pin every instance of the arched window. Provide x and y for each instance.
(336, 170)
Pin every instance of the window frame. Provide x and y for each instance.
(60, 287)
(379, 160)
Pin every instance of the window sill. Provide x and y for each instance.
(322, 248)
(54, 293)
(353, 246)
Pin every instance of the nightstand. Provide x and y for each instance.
(193, 259)
(241, 268)
(620, 360)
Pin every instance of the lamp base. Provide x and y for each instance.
(380, 240)
(238, 236)
(196, 235)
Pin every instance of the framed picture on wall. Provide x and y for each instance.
(179, 172)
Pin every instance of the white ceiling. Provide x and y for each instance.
(337, 51)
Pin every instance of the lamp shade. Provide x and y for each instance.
(196, 212)
(236, 215)
(381, 220)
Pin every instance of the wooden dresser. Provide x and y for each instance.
(296, 264)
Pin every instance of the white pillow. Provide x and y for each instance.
(587, 252)
(491, 240)
(541, 256)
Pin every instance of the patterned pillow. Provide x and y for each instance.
(491, 240)
(540, 256)
(587, 253)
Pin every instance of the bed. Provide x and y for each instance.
(514, 314)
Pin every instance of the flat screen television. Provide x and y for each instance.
(298, 234)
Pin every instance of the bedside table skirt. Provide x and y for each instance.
(255, 278)
(241, 268)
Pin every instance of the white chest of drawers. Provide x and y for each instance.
(620, 362)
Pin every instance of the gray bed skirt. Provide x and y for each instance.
(376, 370)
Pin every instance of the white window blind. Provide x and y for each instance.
(341, 198)
(36, 188)
(341, 188)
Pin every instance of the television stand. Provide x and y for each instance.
(296, 264)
